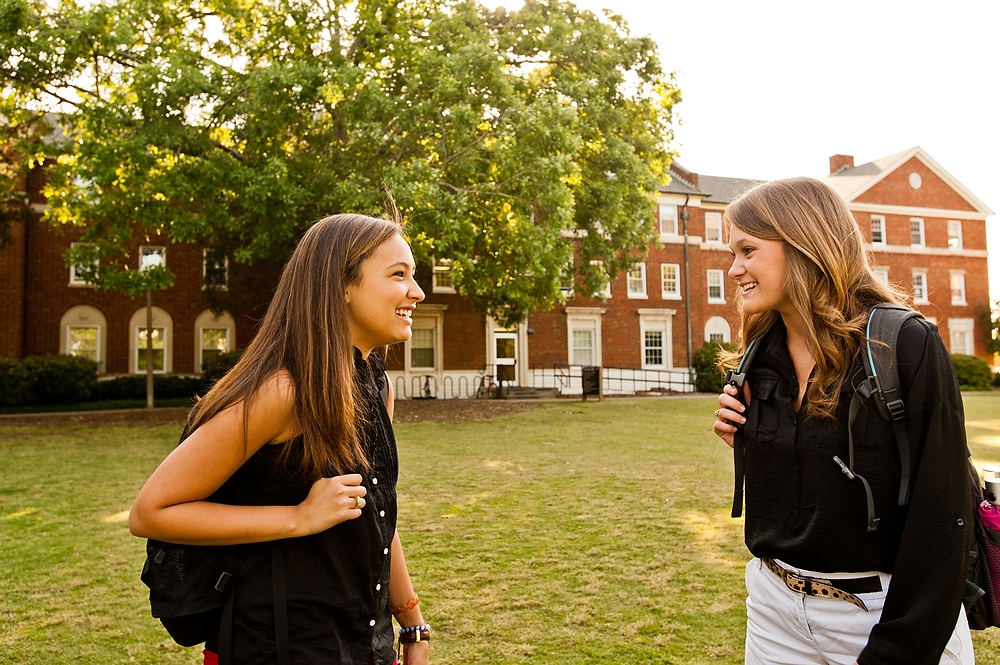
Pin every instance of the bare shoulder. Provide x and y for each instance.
(274, 404)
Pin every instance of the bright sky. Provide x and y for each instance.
(772, 88)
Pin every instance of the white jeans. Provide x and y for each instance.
(789, 628)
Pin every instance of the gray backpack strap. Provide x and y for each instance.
(884, 324)
(882, 381)
(736, 378)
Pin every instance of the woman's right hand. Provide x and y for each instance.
(730, 412)
(331, 501)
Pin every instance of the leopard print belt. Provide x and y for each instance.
(841, 589)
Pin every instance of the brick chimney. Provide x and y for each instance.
(839, 163)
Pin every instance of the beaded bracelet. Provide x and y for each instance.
(408, 605)
(415, 634)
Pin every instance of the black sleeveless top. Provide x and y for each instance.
(337, 580)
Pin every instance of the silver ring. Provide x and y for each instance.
(358, 502)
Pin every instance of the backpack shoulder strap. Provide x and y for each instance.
(736, 378)
(879, 359)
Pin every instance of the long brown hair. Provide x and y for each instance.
(830, 281)
(305, 332)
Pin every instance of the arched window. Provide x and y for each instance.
(213, 336)
(83, 333)
(717, 330)
(162, 338)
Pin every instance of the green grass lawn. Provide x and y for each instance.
(585, 532)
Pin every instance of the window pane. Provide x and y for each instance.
(918, 286)
(715, 284)
(214, 342)
(83, 342)
(877, 229)
(669, 272)
(158, 336)
(713, 227)
(653, 343)
(954, 235)
(637, 280)
(958, 288)
(916, 232)
(422, 348)
(216, 262)
(668, 219)
(583, 347)
(442, 275)
(717, 337)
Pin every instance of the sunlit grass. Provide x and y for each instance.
(585, 532)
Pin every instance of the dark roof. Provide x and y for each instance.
(716, 189)
(871, 168)
(725, 190)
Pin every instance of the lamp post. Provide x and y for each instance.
(687, 291)
(147, 262)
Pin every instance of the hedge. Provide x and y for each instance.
(974, 373)
(708, 378)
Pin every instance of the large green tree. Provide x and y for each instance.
(506, 138)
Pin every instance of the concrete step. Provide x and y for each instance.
(527, 392)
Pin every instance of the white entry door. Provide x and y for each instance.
(505, 357)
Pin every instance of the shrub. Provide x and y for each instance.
(996, 379)
(708, 378)
(13, 382)
(216, 368)
(974, 373)
(60, 379)
(133, 386)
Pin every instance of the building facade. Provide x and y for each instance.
(926, 231)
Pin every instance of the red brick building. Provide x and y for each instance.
(926, 231)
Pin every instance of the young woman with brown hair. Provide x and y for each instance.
(294, 448)
(823, 586)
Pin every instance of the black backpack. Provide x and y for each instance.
(882, 381)
(192, 590)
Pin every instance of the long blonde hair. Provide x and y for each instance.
(830, 281)
(305, 332)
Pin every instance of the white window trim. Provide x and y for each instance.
(881, 219)
(73, 279)
(421, 315)
(881, 274)
(657, 320)
(952, 274)
(441, 267)
(717, 225)
(722, 286)
(636, 295)
(206, 319)
(923, 299)
(161, 319)
(923, 239)
(204, 270)
(670, 295)
(727, 334)
(961, 241)
(145, 249)
(966, 326)
(575, 316)
(82, 316)
(676, 216)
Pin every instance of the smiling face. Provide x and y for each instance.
(380, 304)
(760, 268)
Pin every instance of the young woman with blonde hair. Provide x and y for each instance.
(293, 450)
(823, 587)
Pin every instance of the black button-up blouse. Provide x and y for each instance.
(337, 580)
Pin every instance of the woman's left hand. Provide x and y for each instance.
(416, 653)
